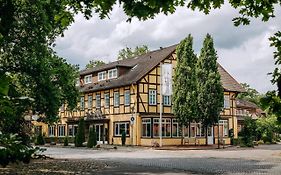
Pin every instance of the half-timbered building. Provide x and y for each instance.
(125, 96)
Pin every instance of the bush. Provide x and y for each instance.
(92, 140)
(40, 140)
(236, 142)
(248, 132)
(123, 138)
(80, 136)
(65, 142)
(12, 150)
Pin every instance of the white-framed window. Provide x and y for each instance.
(98, 101)
(90, 101)
(101, 76)
(166, 127)
(52, 130)
(226, 101)
(72, 130)
(112, 73)
(88, 79)
(152, 97)
(156, 127)
(175, 128)
(120, 127)
(61, 130)
(146, 127)
(127, 97)
(224, 127)
(116, 99)
(82, 103)
(106, 100)
(166, 100)
(200, 131)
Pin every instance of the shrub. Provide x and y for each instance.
(40, 140)
(80, 136)
(12, 150)
(92, 140)
(248, 132)
(65, 142)
(123, 138)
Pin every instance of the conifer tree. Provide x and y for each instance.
(80, 136)
(210, 90)
(185, 84)
(92, 140)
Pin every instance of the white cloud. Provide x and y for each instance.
(244, 51)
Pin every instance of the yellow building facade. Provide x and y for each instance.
(125, 96)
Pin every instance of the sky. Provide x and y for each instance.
(243, 51)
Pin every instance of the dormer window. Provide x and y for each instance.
(101, 76)
(88, 79)
(112, 73)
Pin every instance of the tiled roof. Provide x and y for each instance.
(142, 65)
(240, 103)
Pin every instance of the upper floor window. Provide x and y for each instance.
(127, 97)
(112, 73)
(82, 103)
(88, 79)
(116, 99)
(226, 101)
(98, 101)
(101, 76)
(106, 100)
(77, 82)
(90, 101)
(166, 100)
(152, 97)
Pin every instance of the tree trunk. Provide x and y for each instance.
(182, 134)
(206, 135)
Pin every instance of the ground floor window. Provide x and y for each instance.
(156, 127)
(61, 130)
(223, 128)
(166, 127)
(120, 127)
(51, 130)
(146, 127)
(72, 130)
(175, 128)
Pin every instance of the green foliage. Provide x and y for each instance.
(40, 140)
(209, 87)
(272, 103)
(267, 127)
(251, 94)
(123, 138)
(65, 141)
(80, 136)
(185, 105)
(92, 139)
(12, 150)
(129, 53)
(94, 63)
(248, 132)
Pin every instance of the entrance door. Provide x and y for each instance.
(210, 135)
(100, 130)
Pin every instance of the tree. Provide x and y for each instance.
(92, 140)
(185, 105)
(94, 63)
(80, 136)
(129, 53)
(210, 90)
(248, 132)
(251, 94)
(272, 104)
(267, 127)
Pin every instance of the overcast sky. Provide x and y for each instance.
(243, 51)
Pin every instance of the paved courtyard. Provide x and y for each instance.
(265, 159)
